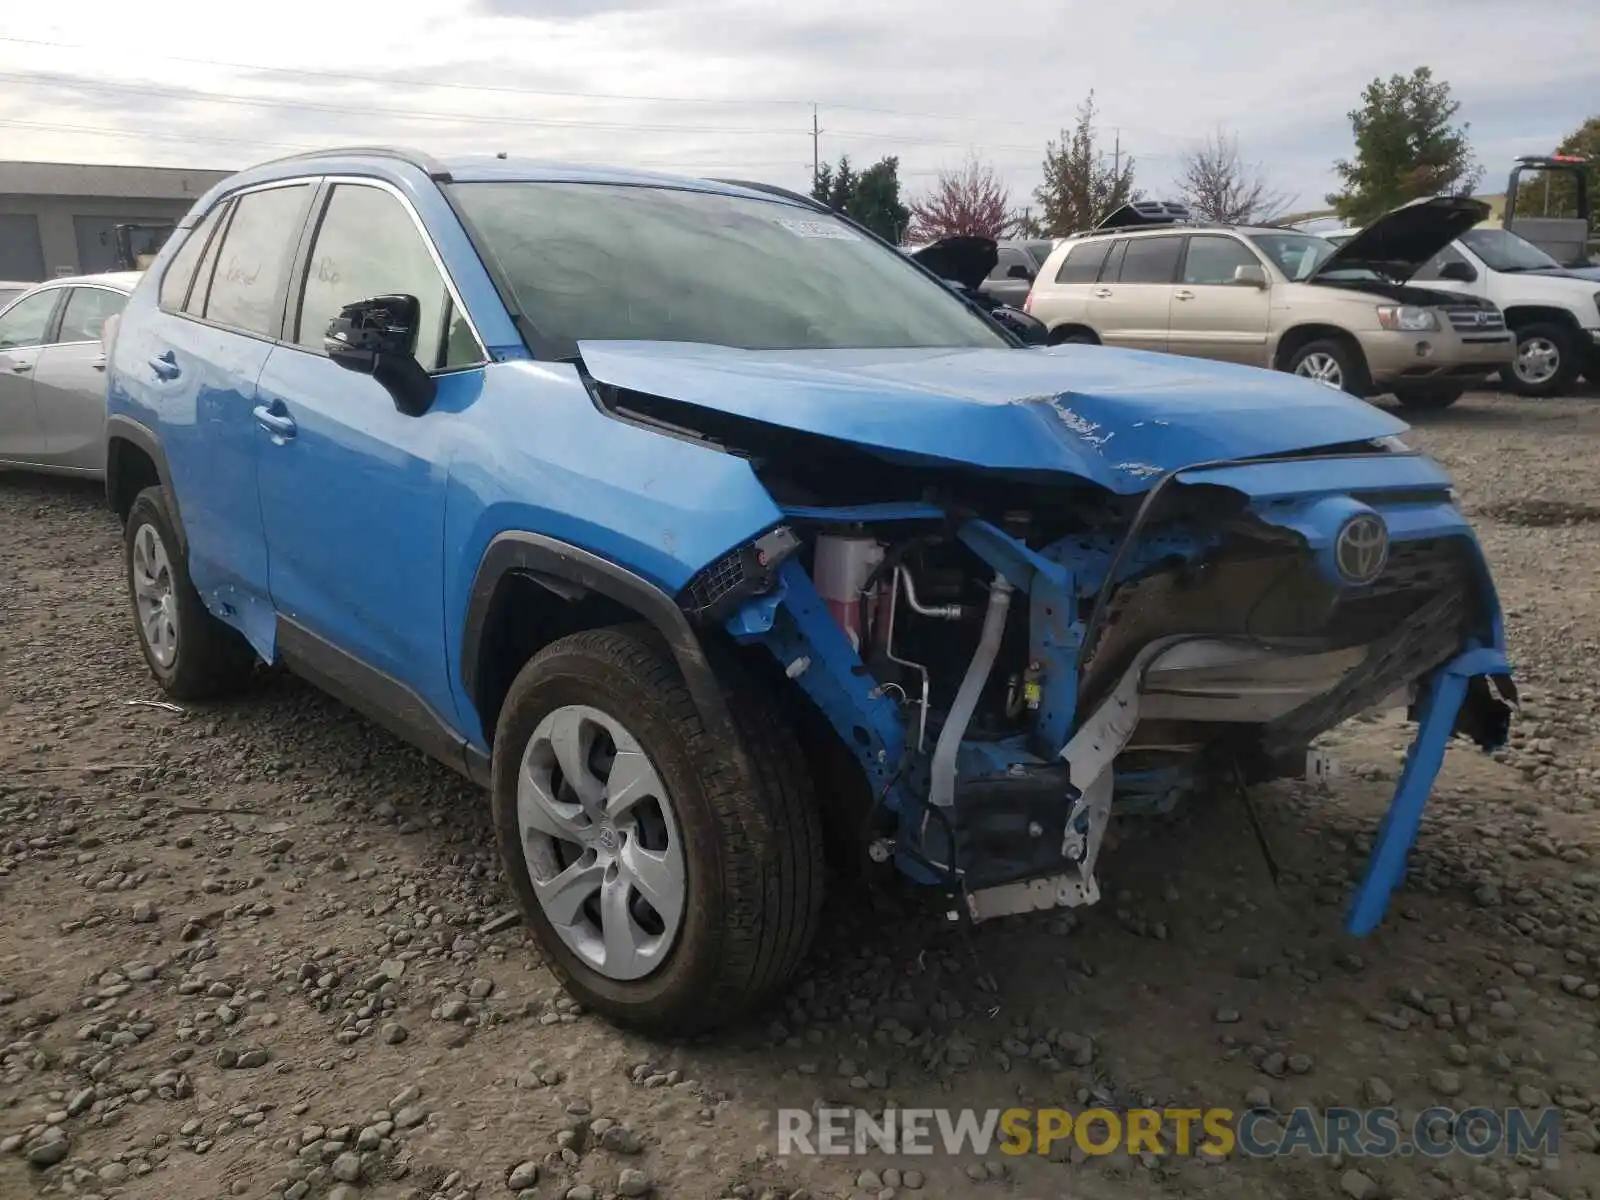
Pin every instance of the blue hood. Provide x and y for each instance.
(1119, 418)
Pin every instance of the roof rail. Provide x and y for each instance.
(773, 189)
(435, 169)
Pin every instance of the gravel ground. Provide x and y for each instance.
(259, 949)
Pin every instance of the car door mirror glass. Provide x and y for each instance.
(1250, 276)
(378, 337)
(1018, 271)
(1460, 272)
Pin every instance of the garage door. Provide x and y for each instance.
(21, 253)
(97, 246)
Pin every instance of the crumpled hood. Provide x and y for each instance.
(1120, 418)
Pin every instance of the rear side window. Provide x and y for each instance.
(1150, 260)
(246, 284)
(180, 271)
(87, 311)
(1082, 263)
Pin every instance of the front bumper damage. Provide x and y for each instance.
(1015, 824)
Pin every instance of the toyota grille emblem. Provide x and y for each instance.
(1361, 549)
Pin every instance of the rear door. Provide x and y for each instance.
(1131, 307)
(1211, 315)
(24, 328)
(200, 365)
(70, 380)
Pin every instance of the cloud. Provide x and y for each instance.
(726, 86)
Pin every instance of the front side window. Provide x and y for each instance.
(88, 309)
(254, 257)
(26, 321)
(1504, 251)
(590, 261)
(1212, 260)
(1009, 258)
(1298, 255)
(1150, 260)
(367, 245)
(1434, 267)
(180, 271)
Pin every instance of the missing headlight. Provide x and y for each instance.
(745, 571)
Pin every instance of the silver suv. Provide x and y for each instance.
(1147, 279)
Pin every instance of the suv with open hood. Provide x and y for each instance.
(711, 534)
(1150, 278)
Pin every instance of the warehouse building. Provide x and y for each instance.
(57, 218)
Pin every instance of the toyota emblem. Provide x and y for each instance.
(1361, 549)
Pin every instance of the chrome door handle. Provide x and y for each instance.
(1102, 293)
(1185, 294)
(279, 424)
(21, 368)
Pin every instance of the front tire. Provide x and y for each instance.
(1332, 363)
(192, 654)
(1428, 399)
(1546, 363)
(679, 894)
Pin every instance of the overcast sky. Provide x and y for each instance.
(726, 86)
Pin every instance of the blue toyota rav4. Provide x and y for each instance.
(716, 538)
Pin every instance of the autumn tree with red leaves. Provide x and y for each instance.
(970, 201)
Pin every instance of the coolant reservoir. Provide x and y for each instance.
(841, 570)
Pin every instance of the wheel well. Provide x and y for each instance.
(1529, 314)
(1061, 332)
(129, 470)
(1303, 335)
(523, 617)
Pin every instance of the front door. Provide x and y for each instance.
(1212, 316)
(1130, 306)
(353, 490)
(23, 330)
(70, 381)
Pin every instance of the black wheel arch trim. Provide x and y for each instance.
(140, 435)
(570, 572)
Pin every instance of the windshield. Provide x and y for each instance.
(1505, 251)
(589, 261)
(1298, 255)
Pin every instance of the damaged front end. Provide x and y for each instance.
(1008, 679)
(1021, 609)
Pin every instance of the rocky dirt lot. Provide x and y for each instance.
(262, 949)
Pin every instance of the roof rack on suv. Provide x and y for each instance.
(435, 169)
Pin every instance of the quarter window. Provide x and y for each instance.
(180, 271)
(87, 311)
(1082, 263)
(1150, 260)
(27, 320)
(368, 245)
(254, 258)
(1212, 260)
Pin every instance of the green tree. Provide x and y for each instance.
(1407, 147)
(871, 197)
(1561, 199)
(1080, 187)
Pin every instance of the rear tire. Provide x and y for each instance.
(1426, 399)
(1332, 363)
(742, 854)
(1547, 361)
(192, 654)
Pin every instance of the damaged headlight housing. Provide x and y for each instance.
(1407, 318)
(748, 570)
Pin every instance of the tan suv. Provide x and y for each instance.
(1272, 297)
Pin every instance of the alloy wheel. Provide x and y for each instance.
(1538, 361)
(601, 842)
(1323, 368)
(154, 595)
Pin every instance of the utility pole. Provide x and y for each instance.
(816, 145)
(1116, 155)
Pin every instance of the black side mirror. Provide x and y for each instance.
(378, 337)
(1018, 271)
(1460, 272)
